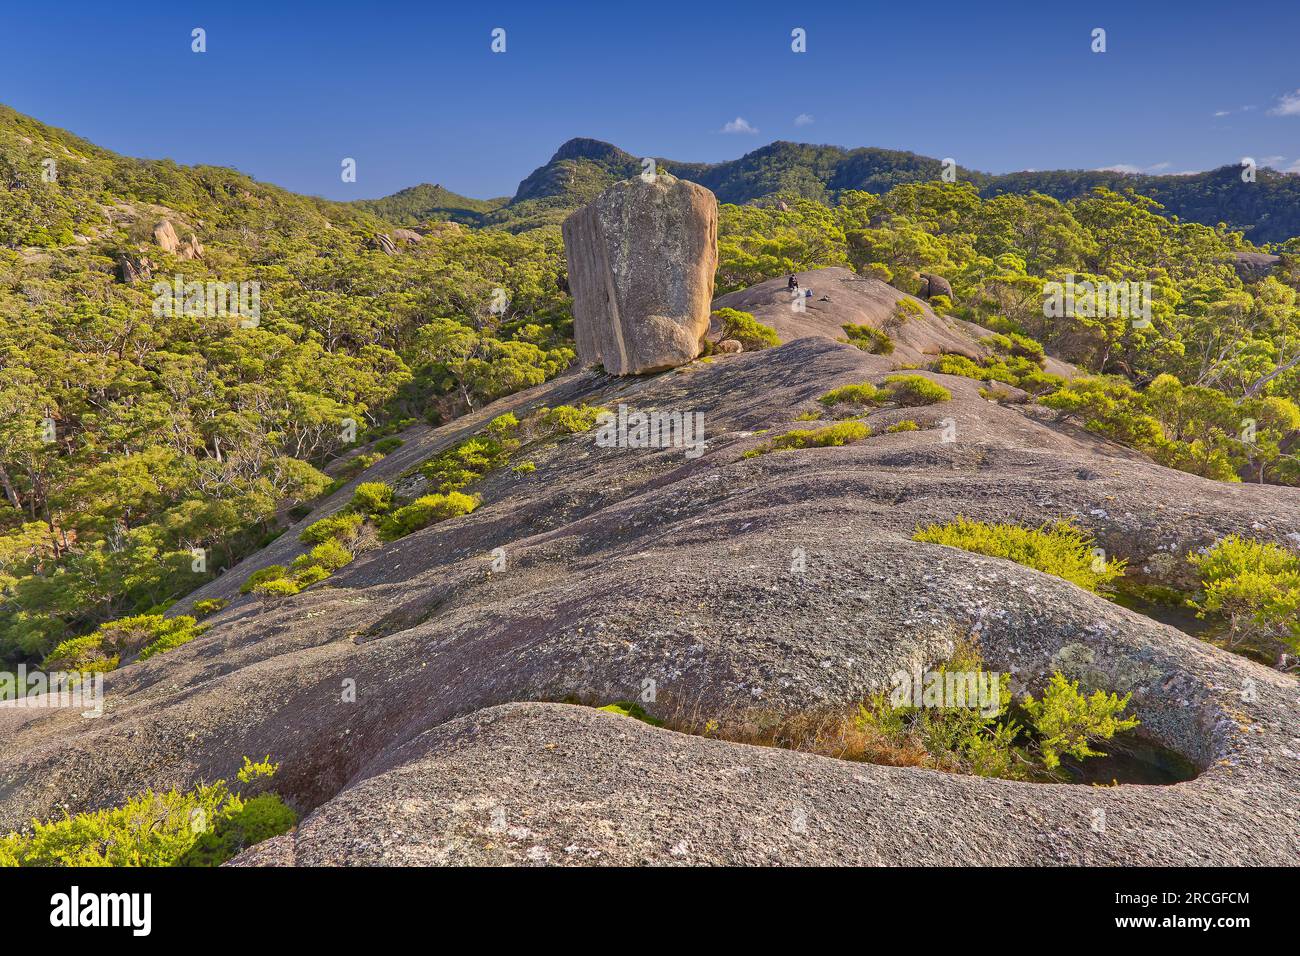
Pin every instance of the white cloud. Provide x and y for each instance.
(1287, 105)
(803, 119)
(739, 125)
(1271, 161)
(1222, 113)
(1157, 167)
(1293, 168)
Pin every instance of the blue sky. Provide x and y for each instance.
(413, 92)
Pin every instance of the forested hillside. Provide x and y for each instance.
(131, 436)
(1266, 210)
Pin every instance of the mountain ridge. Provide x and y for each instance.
(1267, 210)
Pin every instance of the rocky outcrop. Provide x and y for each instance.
(1254, 265)
(164, 234)
(384, 243)
(133, 268)
(641, 261)
(841, 297)
(406, 235)
(730, 345)
(626, 565)
(932, 285)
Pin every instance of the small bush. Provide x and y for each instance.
(271, 572)
(86, 653)
(1067, 722)
(306, 576)
(209, 606)
(1060, 549)
(337, 527)
(842, 433)
(869, 339)
(625, 708)
(276, 587)
(205, 826)
(330, 555)
(952, 364)
(474, 458)
(426, 511)
(389, 444)
(904, 311)
(745, 329)
(864, 394)
(236, 829)
(906, 425)
(371, 498)
(568, 419)
(913, 390)
(1253, 589)
(122, 641)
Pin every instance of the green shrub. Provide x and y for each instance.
(209, 606)
(340, 527)
(1252, 588)
(475, 457)
(914, 390)
(568, 419)
(869, 339)
(950, 363)
(1067, 722)
(122, 641)
(254, 821)
(502, 428)
(86, 653)
(906, 425)
(524, 468)
(330, 555)
(371, 498)
(204, 826)
(990, 741)
(625, 708)
(745, 329)
(389, 444)
(841, 433)
(1060, 549)
(276, 587)
(426, 511)
(305, 576)
(903, 312)
(863, 394)
(272, 572)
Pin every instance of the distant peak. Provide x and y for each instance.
(583, 148)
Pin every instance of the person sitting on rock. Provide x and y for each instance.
(793, 283)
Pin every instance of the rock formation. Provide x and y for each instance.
(406, 235)
(132, 268)
(641, 262)
(165, 235)
(634, 564)
(932, 285)
(1252, 266)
